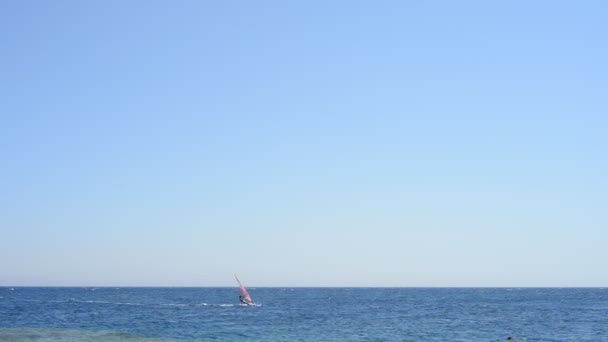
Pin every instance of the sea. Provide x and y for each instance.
(303, 314)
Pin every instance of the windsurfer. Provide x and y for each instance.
(244, 298)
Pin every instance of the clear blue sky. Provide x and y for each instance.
(304, 143)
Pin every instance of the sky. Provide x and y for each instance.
(303, 143)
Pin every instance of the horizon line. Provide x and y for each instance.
(304, 287)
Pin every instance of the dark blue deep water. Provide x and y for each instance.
(303, 314)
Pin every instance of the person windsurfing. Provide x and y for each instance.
(244, 298)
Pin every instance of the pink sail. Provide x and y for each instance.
(244, 297)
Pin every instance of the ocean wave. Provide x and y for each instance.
(105, 302)
(52, 335)
(174, 304)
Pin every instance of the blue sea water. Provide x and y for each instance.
(303, 314)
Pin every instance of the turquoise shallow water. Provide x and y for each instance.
(303, 314)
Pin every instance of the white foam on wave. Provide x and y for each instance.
(127, 303)
(174, 304)
(226, 305)
(96, 302)
(216, 305)
(105, 302)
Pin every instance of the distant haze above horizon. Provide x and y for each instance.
(313, 143)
